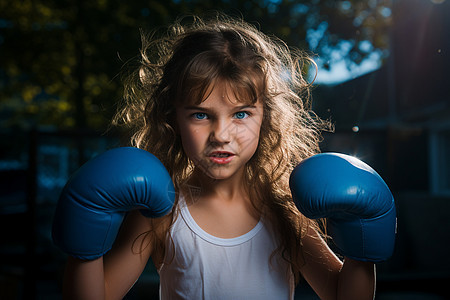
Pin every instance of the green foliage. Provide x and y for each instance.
(61, 60)
(358, 22)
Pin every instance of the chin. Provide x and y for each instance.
(218, 173)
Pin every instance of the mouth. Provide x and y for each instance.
(221, 154)
(221, 157)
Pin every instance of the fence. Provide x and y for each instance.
(34, 167)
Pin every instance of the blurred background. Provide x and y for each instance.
(382, 81)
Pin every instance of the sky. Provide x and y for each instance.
(339, 70)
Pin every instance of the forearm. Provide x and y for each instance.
(84, 279)
(357, 280)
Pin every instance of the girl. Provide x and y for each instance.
(225, 108)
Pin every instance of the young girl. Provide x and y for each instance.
(225, 109)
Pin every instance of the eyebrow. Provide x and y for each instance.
(195, 107)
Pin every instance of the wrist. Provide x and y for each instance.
(357, 280)
(358, 263)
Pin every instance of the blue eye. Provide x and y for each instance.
(241, 115)
(200, 116)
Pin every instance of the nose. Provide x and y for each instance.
(221, 132)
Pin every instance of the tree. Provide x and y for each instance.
(61, 59)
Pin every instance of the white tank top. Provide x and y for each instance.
(207, 267)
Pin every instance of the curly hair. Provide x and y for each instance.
(184, 63)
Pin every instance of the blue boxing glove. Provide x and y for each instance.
(356, 201)
(96, 198)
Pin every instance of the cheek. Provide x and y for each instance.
(192, 140)
(248, 138)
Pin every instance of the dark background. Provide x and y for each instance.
(61, 64)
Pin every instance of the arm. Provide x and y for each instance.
(356, 280)
(106, 256)
(361, 220)
(332, 279)
(111, 276)
(84, 279)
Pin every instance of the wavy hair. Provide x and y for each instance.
(184, 63)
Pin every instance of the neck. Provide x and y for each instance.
(229, 188)
(204, 191)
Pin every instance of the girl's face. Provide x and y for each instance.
(220, 134)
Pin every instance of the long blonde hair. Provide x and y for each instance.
(189, 58)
